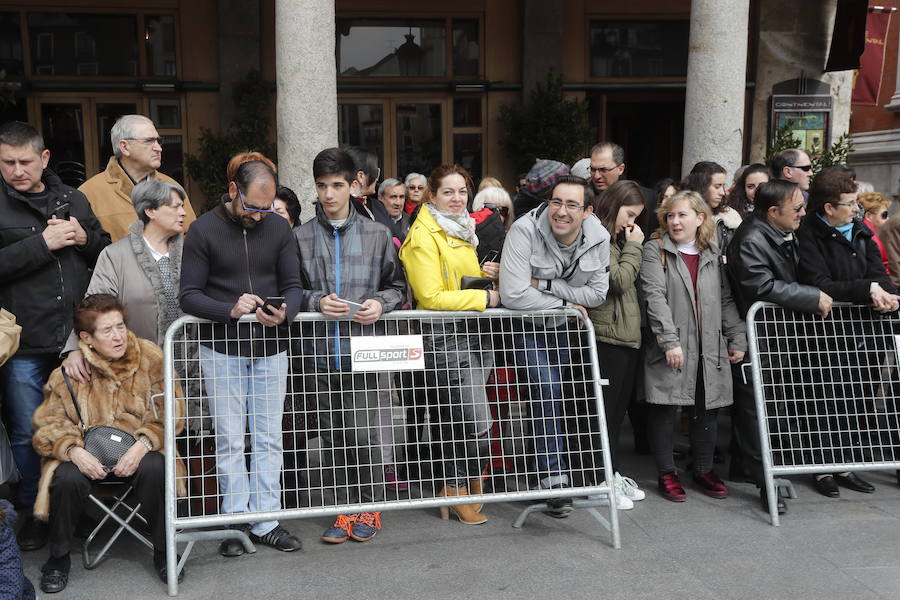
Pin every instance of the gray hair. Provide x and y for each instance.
(153, 193)
(491, 195)
(864, 187)
(618, 154)
(124, 129)
(388, 184)
(413, 176)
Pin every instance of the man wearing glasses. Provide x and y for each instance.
(555, 256)
(793, 165)
(137, 153)
(607, 166)
(238, 262)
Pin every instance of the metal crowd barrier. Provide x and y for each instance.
(442, 383)
(826, 391)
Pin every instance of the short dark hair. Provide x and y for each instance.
(363, 160)
(618, 154)
(254, 171)
(785, 158)
(826, 188)
(589, 196)
(92, 307)
(772, 193)
(17, 134)
(287, 195)
(334, 161)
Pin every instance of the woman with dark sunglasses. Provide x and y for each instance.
(875, 207)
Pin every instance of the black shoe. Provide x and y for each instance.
(827, 487)
(53, 580)
(780, 504)
(279, 538)
(231, 547)
(33, 535)
(855, 482)
(558, 508)
(159, 563)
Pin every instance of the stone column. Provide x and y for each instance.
(716, 84)
(307, 91)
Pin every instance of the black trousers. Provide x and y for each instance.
(746, 424)
(70, 488)
(618, 364)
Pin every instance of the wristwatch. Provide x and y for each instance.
(146, 443)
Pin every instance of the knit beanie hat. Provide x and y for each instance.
(543, 175)
(582, 168)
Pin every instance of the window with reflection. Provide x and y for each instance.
(419, 137)
(467, 152)
(159, 39)
(362, 125)
(639, 48)
(63, 131)
(466, 48)
(391, 48)
(83, 44)
(11, 44)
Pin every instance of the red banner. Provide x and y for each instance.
(867, 81)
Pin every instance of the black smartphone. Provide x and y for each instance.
(491, 256)
(61, 212)
(272, 302)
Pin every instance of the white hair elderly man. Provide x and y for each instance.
(137, 152)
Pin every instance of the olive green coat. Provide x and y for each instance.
(618, 320)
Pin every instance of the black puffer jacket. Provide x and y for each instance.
(843, 270)
(762, 266)
(42, 287)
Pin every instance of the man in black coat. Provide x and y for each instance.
(762, 266)
(49, 240)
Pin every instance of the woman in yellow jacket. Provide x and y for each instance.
(438, 252)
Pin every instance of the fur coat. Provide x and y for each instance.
(117, 394)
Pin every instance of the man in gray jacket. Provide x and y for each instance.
(555, 256)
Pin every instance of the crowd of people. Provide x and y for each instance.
(95, 276)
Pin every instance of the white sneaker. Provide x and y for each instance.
(623, 502)
(628, 487)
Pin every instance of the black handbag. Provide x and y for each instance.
(107, 444)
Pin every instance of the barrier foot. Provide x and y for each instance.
(589, 504)
(216, 534)
(786, 486)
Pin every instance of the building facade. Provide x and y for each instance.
(419, 83)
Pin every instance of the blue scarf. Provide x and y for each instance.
(846, 230)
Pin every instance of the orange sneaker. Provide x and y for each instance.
(339, 532)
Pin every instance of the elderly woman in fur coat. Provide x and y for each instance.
(126, 372)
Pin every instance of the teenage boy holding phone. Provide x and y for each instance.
(346, 260)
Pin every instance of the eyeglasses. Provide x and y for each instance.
(846, 204)
(799, 207)
(503, 210)
(416, 187)
(604, 169)
(806, 168)
(884, 214)
(556, 203)
(147, 140)
(271, 209)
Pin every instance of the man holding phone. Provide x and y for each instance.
(49, 239)
(350, 266)
(237, 262)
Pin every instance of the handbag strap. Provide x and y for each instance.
(72, 394)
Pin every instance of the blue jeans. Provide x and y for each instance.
(542, 355)
(22, 380)
(247, 391)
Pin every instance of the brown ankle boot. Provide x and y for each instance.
(464, 512)
(476, 486)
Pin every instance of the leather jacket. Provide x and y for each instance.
(762, 265)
